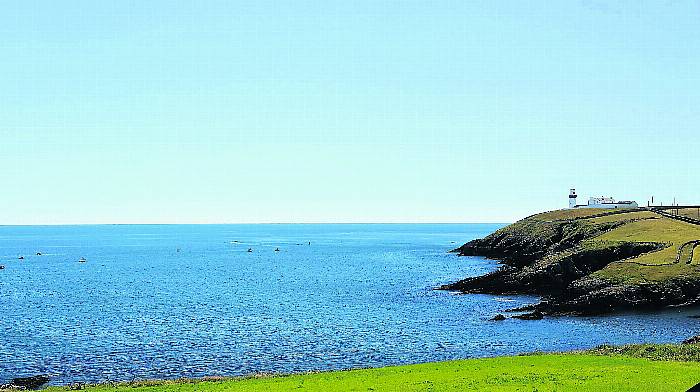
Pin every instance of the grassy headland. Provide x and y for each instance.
(592, 260)
(626, 368)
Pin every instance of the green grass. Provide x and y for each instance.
(630, 273)
(656, 230)
(576, 213)
(636, 215)
(545, 372)
(657, 352)
(654, 266)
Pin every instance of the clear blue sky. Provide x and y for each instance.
(343, 111)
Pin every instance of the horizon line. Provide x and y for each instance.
(248, 223)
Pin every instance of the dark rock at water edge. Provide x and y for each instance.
(596, 296)
(498, 317)
(536, 315)
(693, 340)
(33, 382)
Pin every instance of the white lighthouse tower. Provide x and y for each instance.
(572, 198)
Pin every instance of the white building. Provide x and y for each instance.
(600, 202)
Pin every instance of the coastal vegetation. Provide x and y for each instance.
(591, 261)
(608, 368)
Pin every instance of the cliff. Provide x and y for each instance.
(586, 261)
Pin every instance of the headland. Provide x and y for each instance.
(591, 260)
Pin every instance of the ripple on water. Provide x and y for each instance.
(360, 295)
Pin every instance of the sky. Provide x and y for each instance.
(343, 111)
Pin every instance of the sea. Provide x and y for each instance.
(171, 301)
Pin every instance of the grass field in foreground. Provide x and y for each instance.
(547, 372)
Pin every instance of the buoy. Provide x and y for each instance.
(21, 258)
(277, 249)
(82, 260)
(2, 267)
(250, 250)
(38, 253)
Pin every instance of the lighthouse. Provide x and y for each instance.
(572, 198)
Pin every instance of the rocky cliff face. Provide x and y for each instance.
(591, 295)
(528, 240)
(554, 273)
(557, 259)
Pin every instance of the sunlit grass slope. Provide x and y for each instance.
(640, 226)
(555, 372)
(667, 263)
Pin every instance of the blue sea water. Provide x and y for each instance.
(168, 301)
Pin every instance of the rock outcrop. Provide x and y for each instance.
(33, 382)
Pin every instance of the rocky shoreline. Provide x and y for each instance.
(556, 259)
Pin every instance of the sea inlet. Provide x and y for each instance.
(170, 301)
